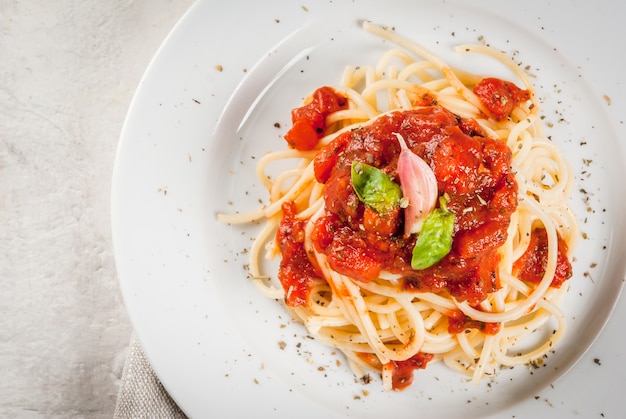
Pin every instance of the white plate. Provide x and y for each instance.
(207, 107)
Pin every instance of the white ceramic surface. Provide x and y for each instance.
(207, 108)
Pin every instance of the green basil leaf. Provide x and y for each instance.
(375, 188)
(435, 239)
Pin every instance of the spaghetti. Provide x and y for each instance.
(396, 277)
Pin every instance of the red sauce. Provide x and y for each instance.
(459, 322)
(309, 121)
(296, 273)
(402, 371)
(532, 265)
(500, 97)
(472, 170)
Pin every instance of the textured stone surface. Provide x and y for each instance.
(68, 70)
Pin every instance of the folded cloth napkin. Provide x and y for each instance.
(141, 394)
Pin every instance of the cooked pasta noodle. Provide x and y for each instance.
(380, 323)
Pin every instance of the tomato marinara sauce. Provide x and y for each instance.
(473, 173)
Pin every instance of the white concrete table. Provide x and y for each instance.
(68, 70)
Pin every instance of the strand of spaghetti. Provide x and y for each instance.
(442, 304)
(278, 187)
(418, 69)
(490, 132)
(392, 73)
(311, 209)
(261, 281)
(516, 132)
(461, 107)
(437, 339)
(483, 360)
(567, 226)
(405, 43)
(431, 320)
(546, 309)
(411, 309)
(355, 305)
(520, 147)
(432, 301)
(547, 184)
(347, 342)
(321, 301)
(523, 306)
(500, 56)
(486, 304)
(358, 365)
(465, 344)
(546, 160)
(273, 156)
(522, 288)
(357, 76)
(369, 93)
(438, 349)
(316, 193)
(353, 308)
(467, 78)
(520, 227)
(499, 299)
(440, 86)
(360, 102)
(385, 306)
(247, 217)
(315, 323)
(524, 358)
(390, 321)
(457, 361)
(513, 282)
(348, 114)
(402, 99)
(240, 218)
(385, 60)
(417, 305)
(328, 138)
(463, 358)
(438, 344)
(353, 76)
(349, 74)
(525, 112)
(447, 71)
(301, 184)
(506, 250)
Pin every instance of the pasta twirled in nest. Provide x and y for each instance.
(346, 269)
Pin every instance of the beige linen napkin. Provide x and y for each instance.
(141, 394)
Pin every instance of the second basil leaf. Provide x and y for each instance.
(435, 239)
